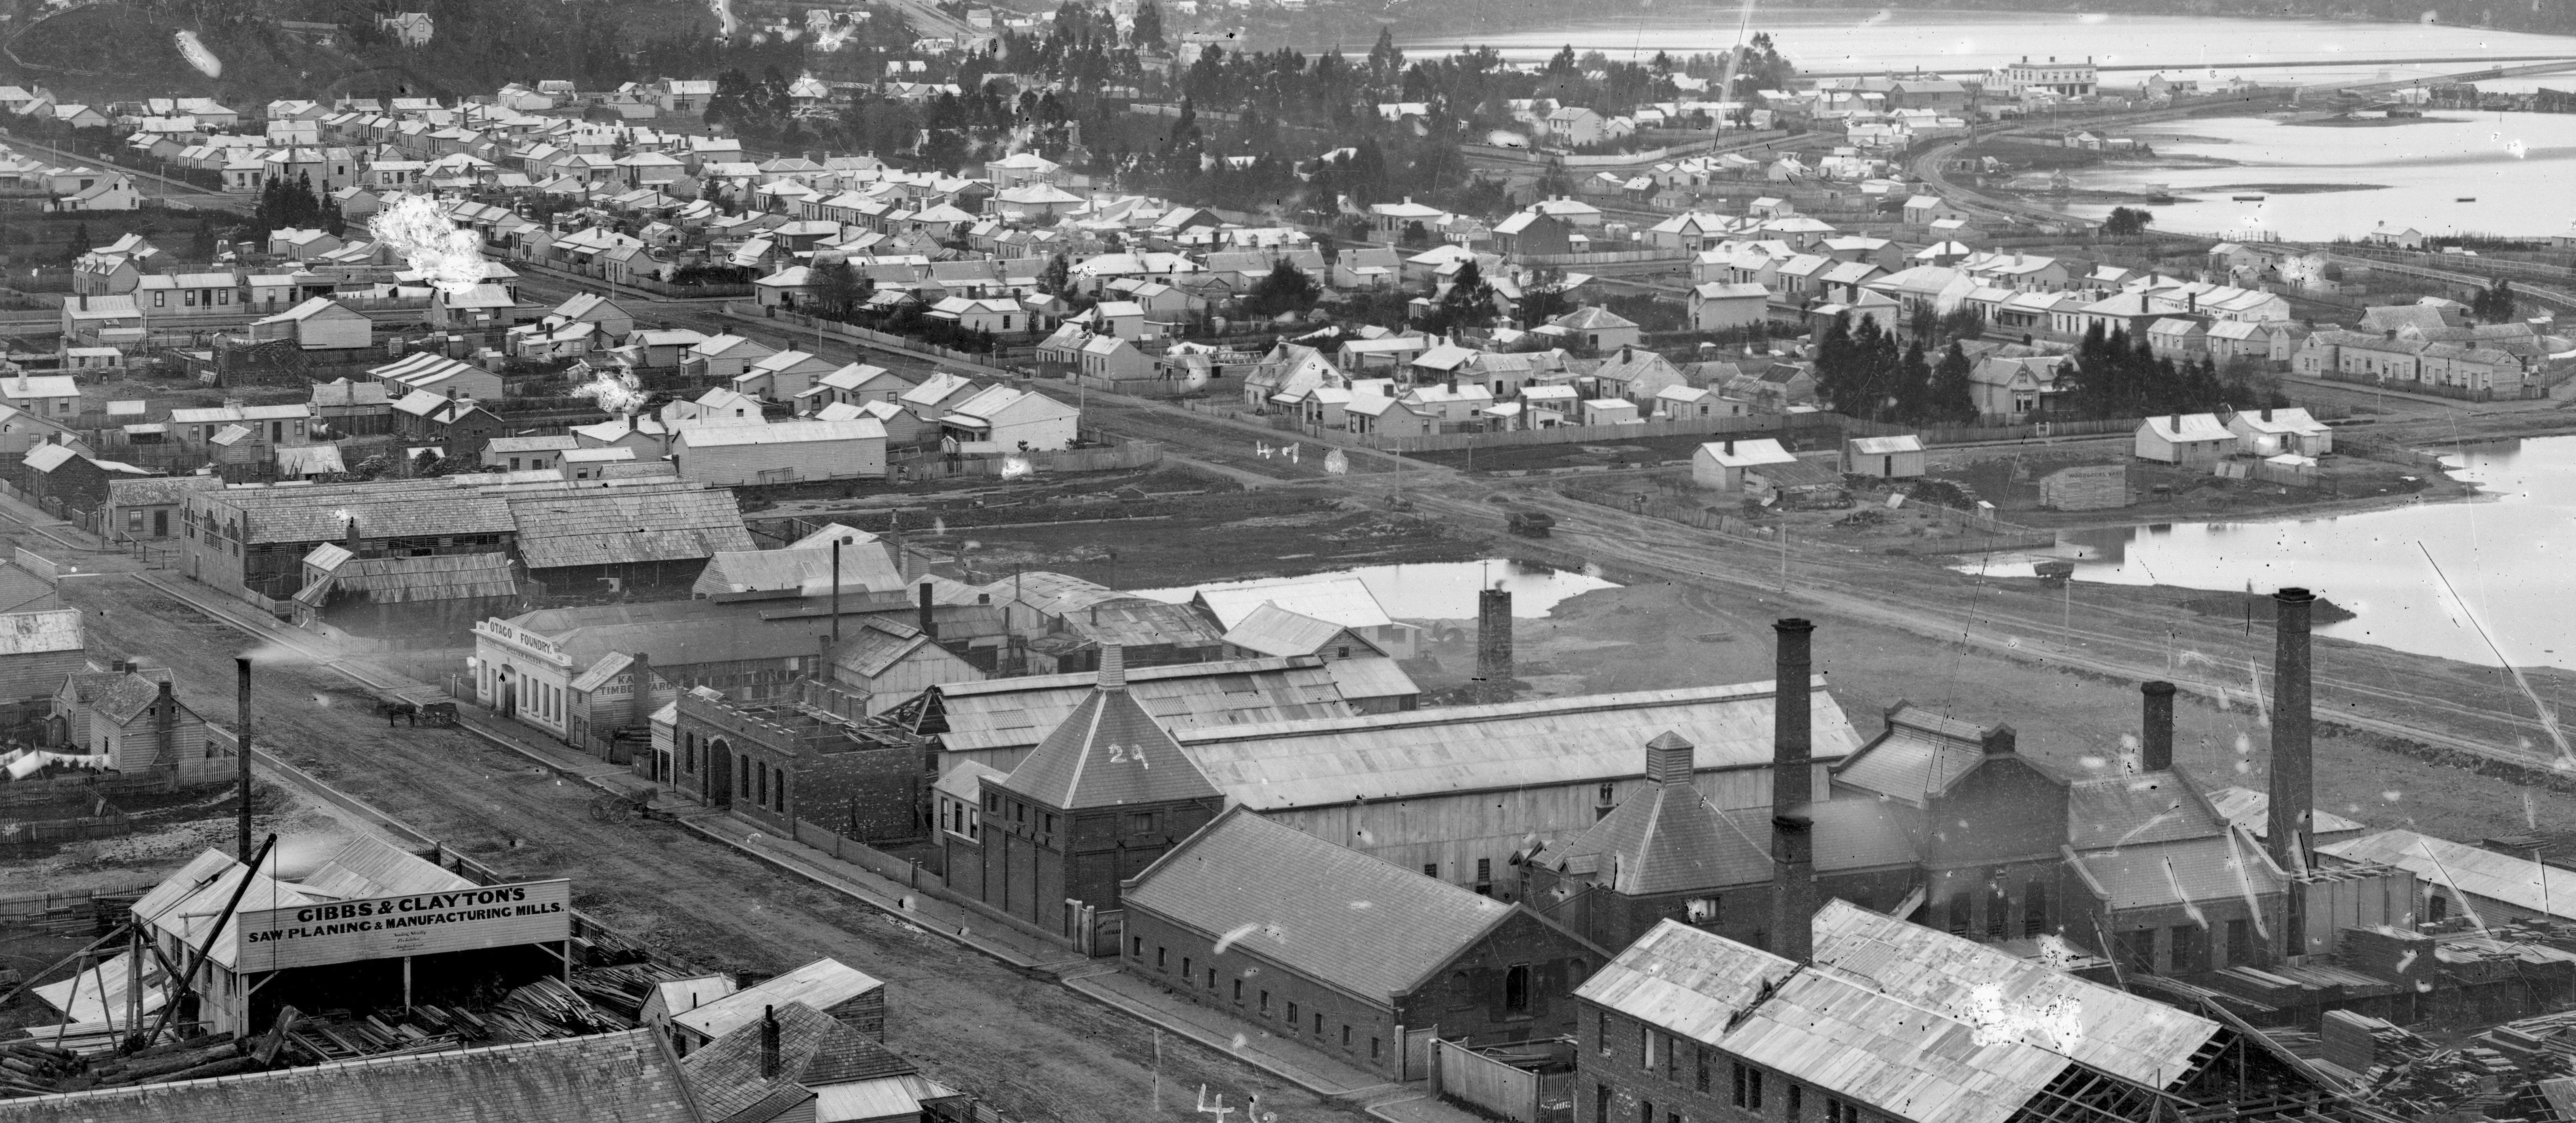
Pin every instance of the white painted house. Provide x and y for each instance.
(1011, 419)
(1720, 465)
(2185, 438)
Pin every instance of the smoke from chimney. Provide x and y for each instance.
(2155, 735)
(1793, 870)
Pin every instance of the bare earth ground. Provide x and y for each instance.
(1034, 1049)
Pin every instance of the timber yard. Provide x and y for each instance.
(1047, 566)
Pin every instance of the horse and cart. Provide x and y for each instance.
(417, 705)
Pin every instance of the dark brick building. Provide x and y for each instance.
(808, 756)
(1667, 853)
(1349, 954)
(1104, 795)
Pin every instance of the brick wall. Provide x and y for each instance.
(1614, 1082)
(1186, 963)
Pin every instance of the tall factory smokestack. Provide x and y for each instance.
(1793, 872)
(241, 753)
(2155, 736)
(1493, 645)
(2293, 763)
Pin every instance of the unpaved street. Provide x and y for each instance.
(1030, 1047)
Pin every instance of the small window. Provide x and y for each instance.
(1372, 1048)
(1050, 822)
(1319, 1027)
(1430, 869)
(1185, 967)
(1136, 947)
(1238, 992)
(1601, 1031)
(1516, 988)
(1346, 1037)
(1265, 1004)
(1702, 1084)
(1162, 958)
(1292, 1017)
(1797, 1097)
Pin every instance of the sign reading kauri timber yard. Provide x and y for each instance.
(488, 916)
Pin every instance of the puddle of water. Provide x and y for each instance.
(2504, 589)
(1440, 590)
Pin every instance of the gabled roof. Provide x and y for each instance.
(822, 984)
(1918, 757)
(815, 1051)
(1109, 753)
(1691, 982)
(2134, 1038)
(1272, 630)
(2226, 867)
(1540, 742)
(2189, 428)
(1013, 713)
(1288, 897)
(1345, 601)
(2519, 882)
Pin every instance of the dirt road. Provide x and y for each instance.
(1030, 1047)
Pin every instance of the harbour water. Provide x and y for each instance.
(2443, 173)
(2462, 581)
(1970, 42)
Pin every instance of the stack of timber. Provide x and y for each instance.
(30, 1068)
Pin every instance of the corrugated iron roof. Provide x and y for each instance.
(1018, 712)
(2134, 1038)
(39, 633)
(1685, 980)
(1272, 630)
(1920, 755)
(1363, 679)
(1838, 1036)
(2250, 811)
(371, 867)
(1132, 621)
(814, 1050)
(822, 984)
(1546, 741)
(1320, 910)
(2519, 882)
(2136, 810)
(866, 565)
(615, 526)
(1345, 601)
(2175, 873)
(628, 1076)
(1109, 752)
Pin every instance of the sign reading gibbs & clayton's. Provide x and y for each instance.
(489, 916)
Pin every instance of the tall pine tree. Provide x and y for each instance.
(1954, 399)
(1913, 385)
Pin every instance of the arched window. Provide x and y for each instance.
(1516, 988)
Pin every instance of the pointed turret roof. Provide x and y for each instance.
(1109, 753)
